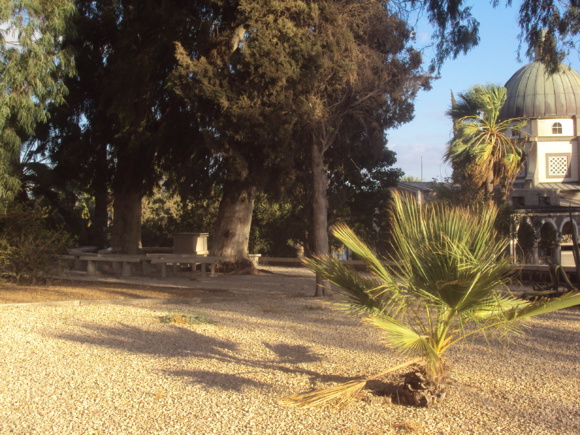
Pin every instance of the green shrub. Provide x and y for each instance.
(28, 246)
(185, 319)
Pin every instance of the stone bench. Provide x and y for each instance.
(175, 259)
(121, 263)
(75, 255)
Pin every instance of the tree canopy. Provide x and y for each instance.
(33, 65)
(122, 125)
(550, 27)
(233, 97)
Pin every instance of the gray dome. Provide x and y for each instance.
(532, 93)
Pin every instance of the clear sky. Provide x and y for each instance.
(494, 60)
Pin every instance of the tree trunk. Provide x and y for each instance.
(126, 233)
(100, 191)
(100, 216)
(231, 235)
(489, 184)
(319, 212)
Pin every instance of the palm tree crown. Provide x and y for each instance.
(480, 148)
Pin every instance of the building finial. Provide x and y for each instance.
(539, 43)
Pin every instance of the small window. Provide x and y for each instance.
(518, 201)
(544, 200)
(557, 128)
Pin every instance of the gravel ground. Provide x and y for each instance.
(117, 369)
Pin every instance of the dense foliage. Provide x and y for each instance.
(29, 245)
(230, 100)
(33, 65)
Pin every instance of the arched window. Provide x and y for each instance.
(556, 128)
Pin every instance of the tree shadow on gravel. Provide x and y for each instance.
(178, 342)
(173, 343)
(293, 353)
(222, 381)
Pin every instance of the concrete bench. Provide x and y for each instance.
(67, 259)
(75, 255)
(175, 259)
(121, 263)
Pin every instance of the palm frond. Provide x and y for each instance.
(402, 337)
(341, 393)
(447, 256)
(357, 289)
(528, 309)
(515, 311)
(343, 233)
(495, 308)
(480, 145)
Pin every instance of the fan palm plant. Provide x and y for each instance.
(447, 280)
(480, 148)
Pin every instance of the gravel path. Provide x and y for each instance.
(118, 369)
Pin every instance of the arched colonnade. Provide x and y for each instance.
(537, 239)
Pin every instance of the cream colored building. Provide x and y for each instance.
(547, 188)
(551, 104)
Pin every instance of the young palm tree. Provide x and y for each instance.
(447, 280)
(480, 148)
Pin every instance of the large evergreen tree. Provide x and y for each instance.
(285, 82)
(364, 81)
(242, 85)
(122, 123)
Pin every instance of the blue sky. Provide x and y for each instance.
(494, 60)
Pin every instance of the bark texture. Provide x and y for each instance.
(232, 233)
(420, 391)
(100, 191)
(126, 232)
(489, 184)
(319, 212)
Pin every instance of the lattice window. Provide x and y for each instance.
(557, 128)
(558, 165)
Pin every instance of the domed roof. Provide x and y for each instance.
(533, 93)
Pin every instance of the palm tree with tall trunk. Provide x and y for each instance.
(482, 151)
